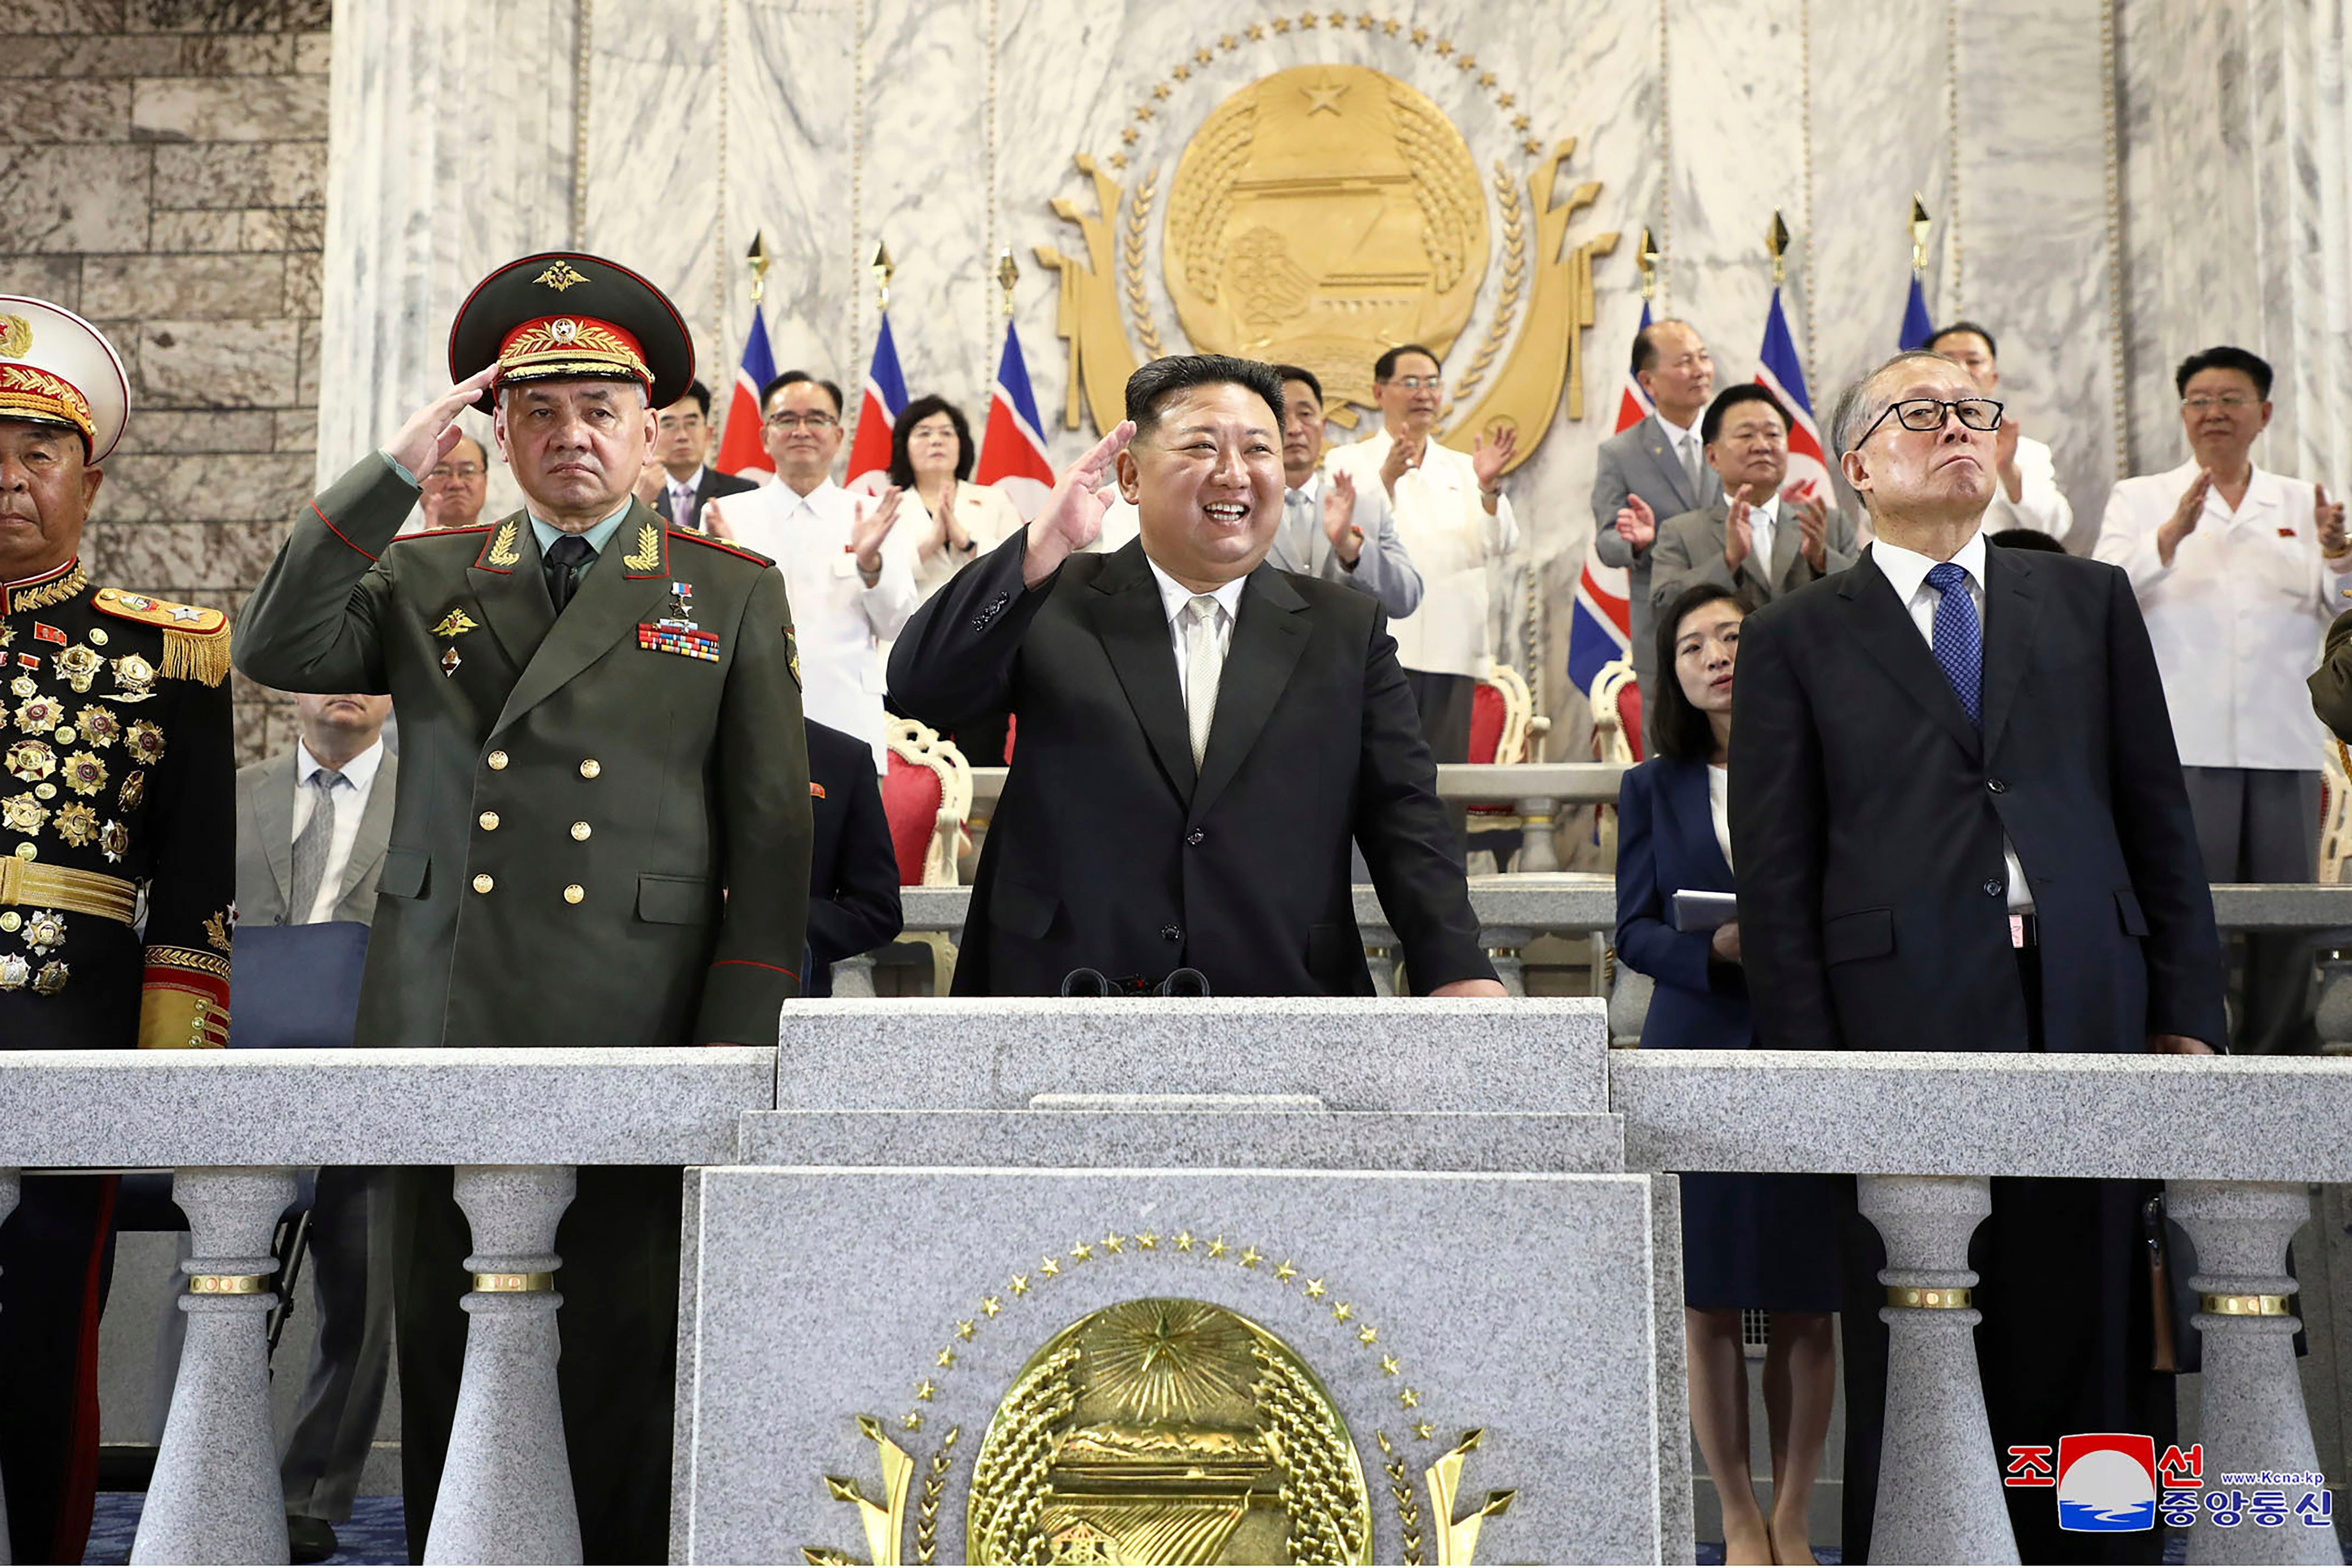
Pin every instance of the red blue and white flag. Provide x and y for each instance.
(741, 450)
(1781, 372)
(1601, 626)
(877, 411)
(1013, 447)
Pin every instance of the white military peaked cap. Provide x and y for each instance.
(57, 369)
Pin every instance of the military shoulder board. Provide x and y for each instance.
(691, 641)
(195, 640)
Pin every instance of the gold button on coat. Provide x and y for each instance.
(574, 893)
(580, 830)
(489, 821)
(497, 761)
(11, 920)
(590, 768)
(483, 882)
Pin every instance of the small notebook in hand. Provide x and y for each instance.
(295, 986)
(1697, 911)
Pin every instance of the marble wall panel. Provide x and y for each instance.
(214, 108)
(86, 196)
(57, 278)
(196, 286)
(214, 364)
(36, 112)
(2034, 228)
(200, 430)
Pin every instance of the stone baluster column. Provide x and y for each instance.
(1538, 823)
(8, 1189)
(1940, 1494)
(506, 1487)
(2254, 1419)
(215, 1497)
(1503, 945)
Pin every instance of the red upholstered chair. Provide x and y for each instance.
(1502, 730)
(1616, 704)
(926, 795)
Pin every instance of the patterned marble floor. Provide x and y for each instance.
(373, 1534)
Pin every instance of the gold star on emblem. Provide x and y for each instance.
(1341, 1311)
(1421, 1430)
(965, 1328)
(912, 1421)
(1021, 1284)
(1128, 135)
(1408, 1399)
(947, 1358)
(1520, 122)
(1282, 23)
(1466, 63)
(925, 1389)
(562, 276)
(1284, 1273)
(990, 1306)
(1228, 42)
(1315, 1289)
(1504, 99)
(1309, 20)
(1143, 111)
(1486, 78)
(1149, 1240)
(1250, 1258)
(1048, 1268)
(1182, 72)
(1218, 1249)
(1391, 27)
(1444, 46)
(1114, 1242)
(1159, 90)
(1081, 1252)
(1420, 37)
(1257, 32)
(1391, 1365)
(1183, 1241)
(1323, 98)
(1366, 1334)
(1532, 147)
(1364, 20)
(1119, 160)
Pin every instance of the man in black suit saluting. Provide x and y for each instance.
(1201, 734)
(1960, 824)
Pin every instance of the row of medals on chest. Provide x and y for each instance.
(43, 756)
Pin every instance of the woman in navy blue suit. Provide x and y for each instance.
(1766, 1242)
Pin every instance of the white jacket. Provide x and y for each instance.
(842, 627)
(1447, 533)
(2238, 617)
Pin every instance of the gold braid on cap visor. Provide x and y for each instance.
(570, 345)
(26, 392)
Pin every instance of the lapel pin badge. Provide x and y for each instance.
(450, 661)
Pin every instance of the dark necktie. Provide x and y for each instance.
(1960, 645)
(565, 557)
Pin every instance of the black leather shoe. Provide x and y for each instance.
(309, 1540)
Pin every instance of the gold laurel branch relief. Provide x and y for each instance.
(935, 1485)
(1315, 1463)
(1549, 356)
(885, 1521)
(1457, 1540)
(1138, 305)
(1008, 1482)
(1408, 1510)
(1506, 305)
(1090, 317)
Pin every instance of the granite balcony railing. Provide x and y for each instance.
(235, 1126)
(2235, 1140)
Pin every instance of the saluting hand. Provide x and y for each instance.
(2329, 516)
(1637, 525)
(433, 430)
(2183, 520)
(1073, 515)
(1339, 518)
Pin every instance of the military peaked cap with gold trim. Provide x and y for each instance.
(567, 314)
(57, 369)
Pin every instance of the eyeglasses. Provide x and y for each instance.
(1926, 413)
(1417, 383)
(456, 472)
(2232, 401)
(801, 421)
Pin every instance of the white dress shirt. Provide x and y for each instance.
(2040, 505)
(1908, 570)
(2238, 617)
(1449, 534)
(351, 804)
(1719, 806)
(1173, 597)
(843, 627)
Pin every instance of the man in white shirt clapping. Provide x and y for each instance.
(2025, 492)
(851, 577)
(2238, 571)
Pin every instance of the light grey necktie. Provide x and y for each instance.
(1299, 522)
(311, 848)
(1204, 660)
(1696, 469)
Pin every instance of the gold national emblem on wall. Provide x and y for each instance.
(1323, 214)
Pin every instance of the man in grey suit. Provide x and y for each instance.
(1331, 528)
(1764, 542)
(312, 826)
(1657, 468)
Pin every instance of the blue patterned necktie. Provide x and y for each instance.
(1959, 644)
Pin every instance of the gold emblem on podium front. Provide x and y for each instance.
(1168, 1431)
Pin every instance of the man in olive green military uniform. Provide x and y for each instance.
(115, 778)
(2331, 683)
(602, 831)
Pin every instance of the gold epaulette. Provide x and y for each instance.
(195, 640)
